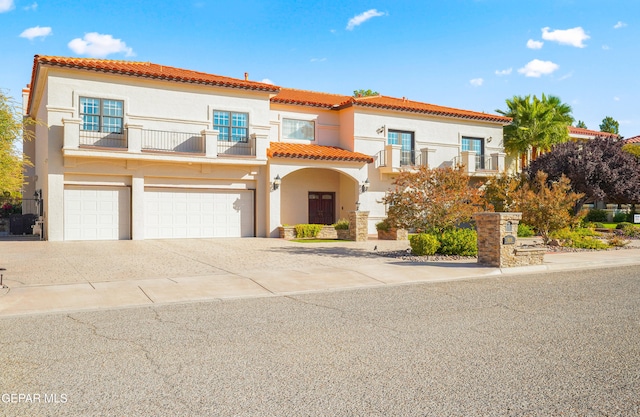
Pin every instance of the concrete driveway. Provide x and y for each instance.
(66, 276)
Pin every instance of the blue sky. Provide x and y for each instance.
(469, 54)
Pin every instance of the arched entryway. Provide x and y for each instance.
(317, 195)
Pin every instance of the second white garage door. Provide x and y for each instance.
(184, 213)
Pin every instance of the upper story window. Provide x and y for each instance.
(232, 126)
(298, 129)
(101, 115)
(476, 145)
(407, 141)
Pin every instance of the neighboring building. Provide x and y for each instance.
(635, 139)
(134, 150)
(578, 133)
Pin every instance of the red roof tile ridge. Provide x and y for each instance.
(158, 70)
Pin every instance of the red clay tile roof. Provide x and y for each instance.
(402, 104)
(586, 132)
(635, 139)
(310, 98)
(337, 101)
(309, 151)
(150, 70)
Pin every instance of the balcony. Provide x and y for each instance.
(394, 159)
(134, 139)
(480, 165)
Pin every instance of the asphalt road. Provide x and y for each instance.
(532, 345)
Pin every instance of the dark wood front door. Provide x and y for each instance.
(321, 207)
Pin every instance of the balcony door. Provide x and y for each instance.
(321, 207)
(407, 141)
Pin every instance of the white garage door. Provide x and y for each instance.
(197, 214)
(96, 213)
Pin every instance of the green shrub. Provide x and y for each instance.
(342, 224)
(582, 238)
(384, 226)
(620, 217)
(525, 230)
(307, 230)
(623, 225)
(598, 225)
(463, 242)
(424, 244)
(630, 230)
(596, 215)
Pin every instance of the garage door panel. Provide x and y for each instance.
(96, 213)
(195, 214)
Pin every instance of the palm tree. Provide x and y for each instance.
(537, 124)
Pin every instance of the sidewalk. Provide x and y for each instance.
(45, 277)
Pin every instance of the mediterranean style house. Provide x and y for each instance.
(135, 150)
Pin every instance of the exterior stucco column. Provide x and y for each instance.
(134, 137)
(71, 135)
(210, 138)
(137, 207)
(469, 161)
(53, 196)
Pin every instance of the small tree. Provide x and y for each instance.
(632, 148)
(545, 206)
(12, 162)
(501, 192)
(365, 93)
(610, 125)
(581, 124)
(432, 199)
(598, 169)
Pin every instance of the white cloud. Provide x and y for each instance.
(99, 46)
(531, 44)
(318, 59)
(504, 71)
(267, 81)
(32, 7)
(6, 5)
(616, 99)
(36, 32)
(363, 17)
(536, 68)
(605, 47)
(476, 82)
(619, 25)
(573, 37)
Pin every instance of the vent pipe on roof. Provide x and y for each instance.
(246, 76)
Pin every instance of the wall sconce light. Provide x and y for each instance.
(357, 206)
(37, 195)
(381, 129)
(489, 139)
(365, 186)
(276, 182)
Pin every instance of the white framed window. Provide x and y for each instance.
(232, 126)
(298, 129)
(101, 115)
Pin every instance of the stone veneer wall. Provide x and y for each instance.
(493, 250)
(393, 234)
(358, 225)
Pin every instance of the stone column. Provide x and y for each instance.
(358, 226)
(497, 237)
